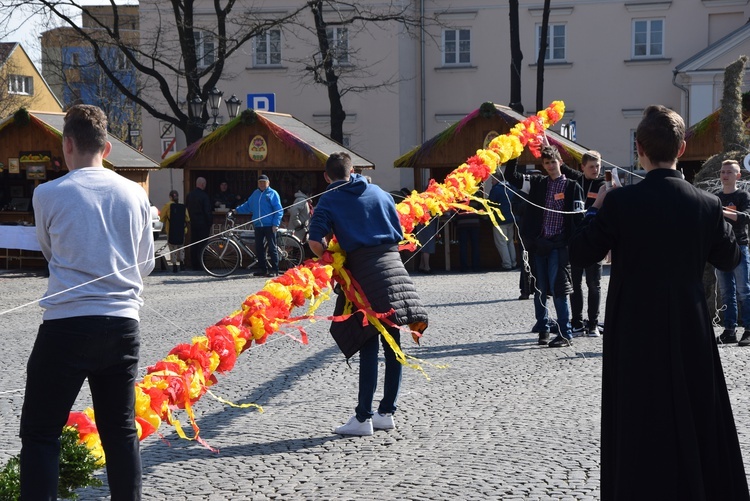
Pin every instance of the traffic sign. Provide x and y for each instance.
(262, 102)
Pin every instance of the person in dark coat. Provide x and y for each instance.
(556, 207)
(199, 209)
(365, 222)
(590, 180)
(667, 425)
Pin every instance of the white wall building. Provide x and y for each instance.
(607, 60)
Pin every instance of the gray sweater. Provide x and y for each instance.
(94, 228)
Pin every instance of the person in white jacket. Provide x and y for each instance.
(90, 326)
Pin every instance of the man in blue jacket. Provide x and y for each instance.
(265, 206)
(364, 220)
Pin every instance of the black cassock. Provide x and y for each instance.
(667, 425)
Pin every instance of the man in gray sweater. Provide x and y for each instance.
(94, 228)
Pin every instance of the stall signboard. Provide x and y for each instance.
(13, 166)
(258, 149)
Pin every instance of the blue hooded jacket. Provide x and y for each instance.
(265, 206)
(359, 213)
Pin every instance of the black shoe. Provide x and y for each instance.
(745, 341)
(729, 336)
(560, 342)
(578, 329)
(272, 274)
(523, 296)
(260, 273)
(543, 338)
(182, 266)
(174, 268)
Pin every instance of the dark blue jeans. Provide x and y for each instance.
(368, 376)
(547, 269)
(66, 351)
(263, 234)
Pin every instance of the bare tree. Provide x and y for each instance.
(169, 61)
(516, 57)
(334, 63)
(543, 44)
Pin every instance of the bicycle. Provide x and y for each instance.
(223, 254)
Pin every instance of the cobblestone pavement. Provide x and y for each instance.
(506, 420)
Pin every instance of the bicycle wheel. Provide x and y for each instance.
(220, 257)
(291, 252)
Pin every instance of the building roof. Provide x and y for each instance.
(288, 129)
(725, 45)
(7, 49)
(415, 157)
(122, 156)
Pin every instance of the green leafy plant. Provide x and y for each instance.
(77, 467)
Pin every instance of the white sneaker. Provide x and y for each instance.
(354, 427)
(383, 421)
(594, 331)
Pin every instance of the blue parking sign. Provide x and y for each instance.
(262, 102)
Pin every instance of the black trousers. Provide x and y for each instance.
(66, 351)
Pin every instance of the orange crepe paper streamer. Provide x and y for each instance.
(179, 380)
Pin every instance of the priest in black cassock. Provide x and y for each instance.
(667, 425)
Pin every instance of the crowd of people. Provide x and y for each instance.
(666, 417)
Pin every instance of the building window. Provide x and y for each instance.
(648, 38)
(74, 60)
(456, 47)
(555, 42)
(267, 49)
(204, 48)
(19, 84)
(338, 42)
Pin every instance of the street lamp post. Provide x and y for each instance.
(214, 102)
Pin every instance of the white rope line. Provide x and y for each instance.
(30, 303)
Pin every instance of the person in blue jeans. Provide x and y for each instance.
(736, 282)
(265, 206)
(364, 220)
(557, 206)
(90, 328)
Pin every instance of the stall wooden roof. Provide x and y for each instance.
(454, 145)
(122, 156)
(304, 147)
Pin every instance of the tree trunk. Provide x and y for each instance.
(516, 57)
(338, 115)
(540, 58)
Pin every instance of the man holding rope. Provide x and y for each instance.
(90, 323)
(364, 220)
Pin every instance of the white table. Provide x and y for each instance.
(21, 238)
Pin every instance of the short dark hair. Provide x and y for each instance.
(86, 125)
(339, 166)
(550, 152)
(660, 133)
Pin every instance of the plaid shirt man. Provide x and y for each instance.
(552, 220)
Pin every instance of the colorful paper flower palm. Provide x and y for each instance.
(179, 380)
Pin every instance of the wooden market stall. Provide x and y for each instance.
(438, 156)
(31, 154)
(289, 152)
